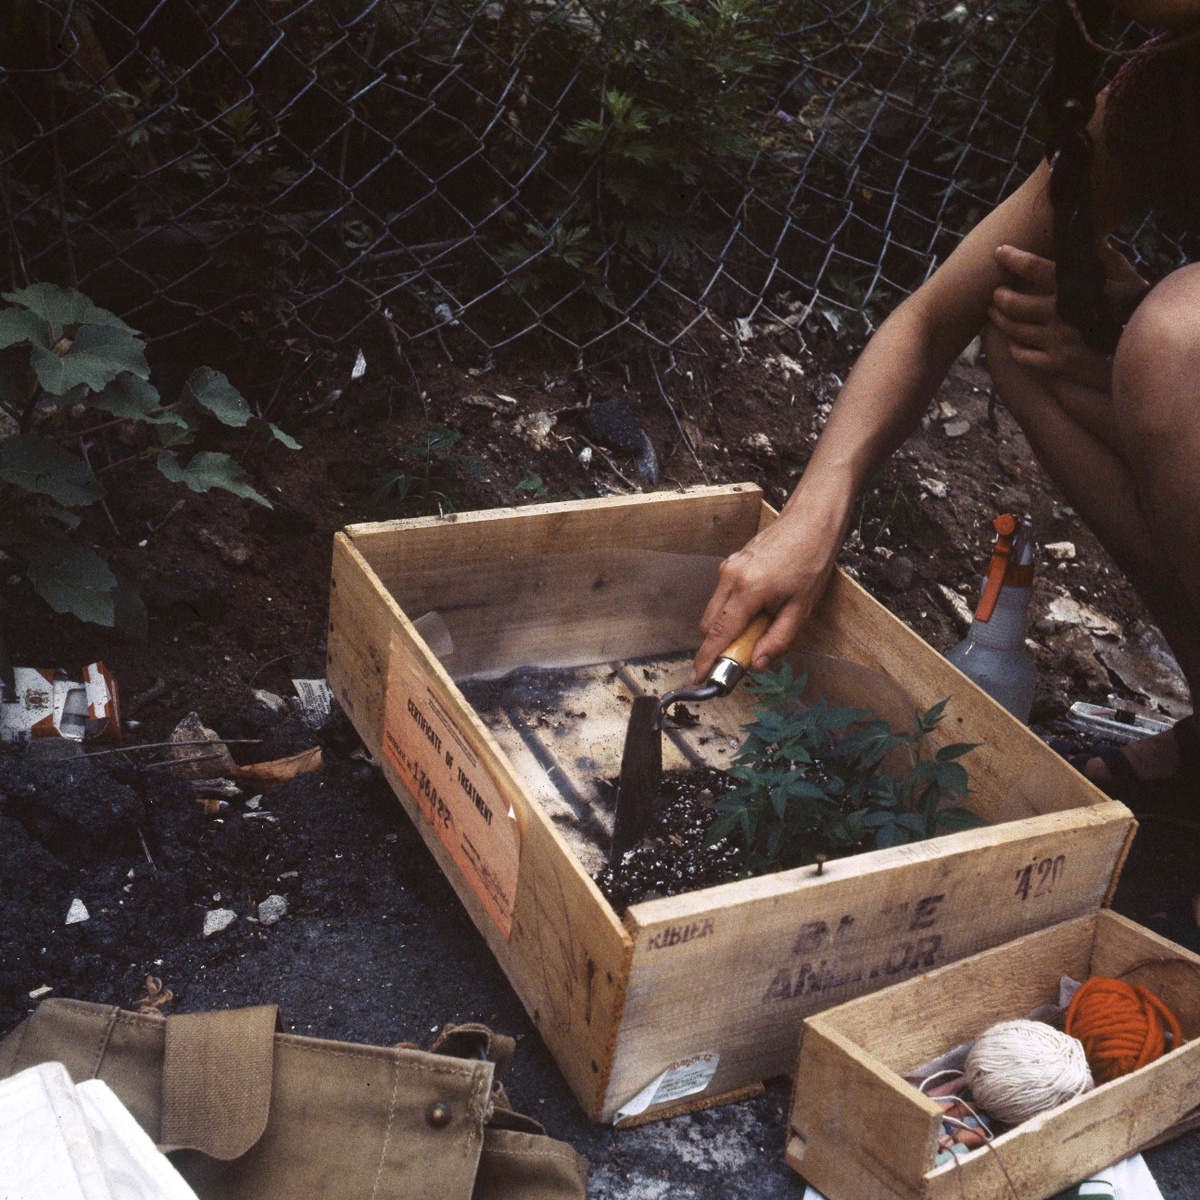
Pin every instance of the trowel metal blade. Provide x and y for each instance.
(641, 772)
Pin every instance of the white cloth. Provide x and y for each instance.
(76, 1143)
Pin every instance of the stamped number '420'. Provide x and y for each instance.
(1038, 879)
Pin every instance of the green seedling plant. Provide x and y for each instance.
(431, 473)
(70, 372)
(809, 781)
(534, 484)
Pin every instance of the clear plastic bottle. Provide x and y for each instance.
(993, 653)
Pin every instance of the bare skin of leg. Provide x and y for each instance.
(1129, 462)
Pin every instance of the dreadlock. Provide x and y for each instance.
(1070, 98)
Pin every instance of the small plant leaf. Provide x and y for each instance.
(532, 483)
(212, 391)
(73, 579)
(955, 750)
(208, 470)
(397, 481)
(276, 433)
(37, 465)
(892, 835)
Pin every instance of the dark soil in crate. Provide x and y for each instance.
(671, 858)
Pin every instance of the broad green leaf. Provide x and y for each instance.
(96, 356)
(64, 307)
(129, 396)
(18, 325)
(208, 470)
(73, 579)
(912, 822)
(37, 465)
(211, 390)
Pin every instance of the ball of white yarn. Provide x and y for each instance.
(1018, 1069)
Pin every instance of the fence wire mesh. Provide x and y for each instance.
(287, 171)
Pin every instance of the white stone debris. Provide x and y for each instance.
(217, 920)
(1068, 611)
(953, 429)
(77, 912)
(1060, 550)
(271, 909)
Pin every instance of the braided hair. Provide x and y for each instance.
(1151, 130)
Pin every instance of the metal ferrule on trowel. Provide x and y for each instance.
(641, 759)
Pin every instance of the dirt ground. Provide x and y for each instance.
(374, 946)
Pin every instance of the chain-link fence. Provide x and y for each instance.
(287, 170)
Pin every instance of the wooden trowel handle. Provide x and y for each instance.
(741, 649)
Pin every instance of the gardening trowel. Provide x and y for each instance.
(641, 759)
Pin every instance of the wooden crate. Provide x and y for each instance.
(730, 971)
(857, 1129)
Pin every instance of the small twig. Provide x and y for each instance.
(83, 449)
(687, 441)
(180, 762)
(150, 525)
(270, 663)
(13, 241)
(172, 745)
(385, 315)
(121, 462)
(146, 849)
(612, 466)
(61, 189)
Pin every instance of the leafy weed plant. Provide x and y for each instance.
(809, 781)
(431, 472)
(74, 370)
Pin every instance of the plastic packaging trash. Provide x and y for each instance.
(45, 703)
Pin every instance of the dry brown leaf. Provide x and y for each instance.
(280, 770)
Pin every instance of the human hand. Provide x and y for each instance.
(783, 570)
(1038, 338)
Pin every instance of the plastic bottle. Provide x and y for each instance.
(993, 653)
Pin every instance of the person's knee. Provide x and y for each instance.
(1156, 369)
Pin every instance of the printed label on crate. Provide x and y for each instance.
(452, 786)
(680, 1079)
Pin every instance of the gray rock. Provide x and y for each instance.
(272, 909)
(217, 920)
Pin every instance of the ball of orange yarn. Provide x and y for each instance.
(1122, 1026)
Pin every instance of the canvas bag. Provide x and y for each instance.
(250, 1113)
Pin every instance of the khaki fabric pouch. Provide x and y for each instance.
(250, 1113)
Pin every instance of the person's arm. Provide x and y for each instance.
(786, 567)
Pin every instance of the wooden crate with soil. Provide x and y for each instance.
(552, 618)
